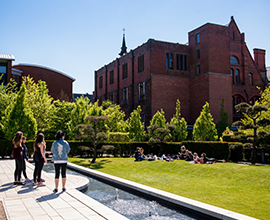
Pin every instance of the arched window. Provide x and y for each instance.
(234, 60)
(237, 77)
(253, 100)
(232, 75)
(250, 79)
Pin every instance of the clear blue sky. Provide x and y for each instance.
(78, 37)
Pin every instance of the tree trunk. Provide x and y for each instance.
(253, 152)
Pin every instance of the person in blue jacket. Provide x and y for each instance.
(60, 149)
(24, 157)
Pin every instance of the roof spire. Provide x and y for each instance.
(123, 48)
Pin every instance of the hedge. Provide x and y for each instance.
(230, 151)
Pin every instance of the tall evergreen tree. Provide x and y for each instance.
(204, 127)
(19, 118)
(223, 122)
(8, 94)
(180, 133)
(135, 126)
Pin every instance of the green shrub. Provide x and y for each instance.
(236, 151)
(118, 137)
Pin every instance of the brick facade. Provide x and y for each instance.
(59, 84)
(216, 64)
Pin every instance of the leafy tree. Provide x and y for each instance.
(92, 130)
(116, 122)
(19, 118)
(252, 113)
(223, 122)
(180, 133)
(135, 126)
(78, 115)
(204, 127)
(61, 116)
(265, 100)
(40, 102)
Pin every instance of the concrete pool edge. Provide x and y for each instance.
(210, 210)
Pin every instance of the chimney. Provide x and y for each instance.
(259, 58)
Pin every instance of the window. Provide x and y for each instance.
(100, 82)
(253, 100)
(236, 100)
(3, 73)
(198, 54)
(141, 89)
(198, 40)
(198, 69)
(125, 70)
(250, 79)
(111, 77)
(125, 94)
(169, 61)
(232, 75)
(140, 63)
(237, 77)
(181, 63)
(234, 60)
(112, 96)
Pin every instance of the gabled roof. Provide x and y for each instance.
(7, 57)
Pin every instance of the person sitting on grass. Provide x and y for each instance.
(138, 154)
(182, 153)
(196, 158)
(189, 156)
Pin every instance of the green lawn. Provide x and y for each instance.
(241, 188)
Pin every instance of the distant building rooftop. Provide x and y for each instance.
(78, 95)
(7, 57)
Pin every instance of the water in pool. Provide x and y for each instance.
(127, 204)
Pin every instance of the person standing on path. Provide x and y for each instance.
(39, 158)
(60, 149)
(17, 155)
(24, 157)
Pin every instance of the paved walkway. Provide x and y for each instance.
(31, 202)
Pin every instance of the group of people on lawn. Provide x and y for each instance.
(184, 154)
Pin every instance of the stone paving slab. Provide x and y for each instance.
(31, 202)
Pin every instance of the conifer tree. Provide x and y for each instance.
(19, 118)
(204, 127)
(180, 132)
(159, 119)
(135, 126)
(93, 131)
(223, 122)
(254, 121)
(7, 96)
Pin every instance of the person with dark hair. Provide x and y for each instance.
(17, 155)
(60, 149)
(24, 156)
(39, 158)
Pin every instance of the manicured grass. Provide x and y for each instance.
(240, 188)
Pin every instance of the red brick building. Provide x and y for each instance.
(58, 83)
(215, 64)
